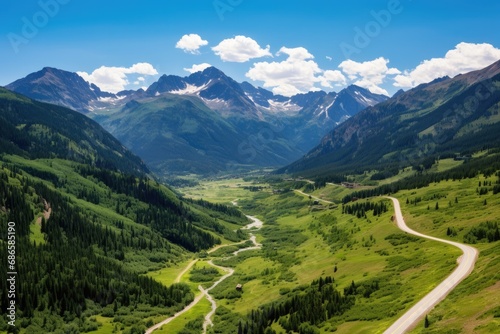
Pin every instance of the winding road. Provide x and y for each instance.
(256, 224)
(465, 266)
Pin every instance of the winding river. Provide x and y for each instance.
(255, 224)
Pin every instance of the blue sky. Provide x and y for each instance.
(284, 46)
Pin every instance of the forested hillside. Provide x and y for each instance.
(89, 222)
(444, 118)
(40, 130)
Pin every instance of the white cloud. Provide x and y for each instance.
(197, 68)
(295, 54)
(139, 80)
(330, 76)
(115, 79)
(297, 74)
(240, 49)
(465, 57)
(369, 74)
(191, 43)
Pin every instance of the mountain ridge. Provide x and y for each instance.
(412, 126)
(267, 130)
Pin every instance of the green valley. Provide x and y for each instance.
(89, 224)
(359, 246)
(347, 239)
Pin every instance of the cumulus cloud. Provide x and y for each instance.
(115, 79)
(369, 74)
(465, 57)
(240, 49)
(331, 76)
(197, 68)
(297, 74)
(191, 43)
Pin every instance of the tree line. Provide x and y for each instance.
(359, 209)
(315, 305)
(306, 309)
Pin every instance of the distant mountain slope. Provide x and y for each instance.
(179, 134)
(40, 130)
(59, 87)
(441, 118)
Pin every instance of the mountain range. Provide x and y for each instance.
(448, 117)
(206, 122)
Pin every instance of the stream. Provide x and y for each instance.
(255, 224)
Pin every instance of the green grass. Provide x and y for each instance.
(446, 164)
(107, 326)
(220, 191)
(470, 307)
(406, 271)
(36, 234)
(168, 274)
(176, 325)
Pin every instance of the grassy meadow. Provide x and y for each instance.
(303, 241)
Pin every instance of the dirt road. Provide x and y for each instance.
(314, 197)
(464, 268)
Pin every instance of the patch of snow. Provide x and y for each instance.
(324, 110)
(191, 89)
(110, 99)
(216, 104)
(287, 106)
(343, 119)
(250, 97)
(364, 100)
